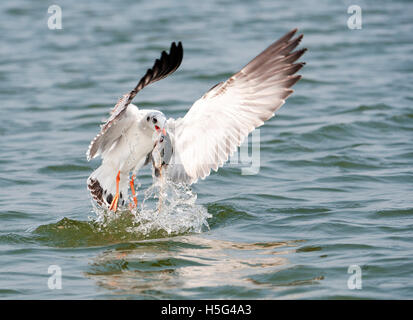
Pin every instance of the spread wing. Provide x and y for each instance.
(117, 122)
(220, 120)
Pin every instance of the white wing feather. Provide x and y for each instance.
(120, 120)
(219, 122)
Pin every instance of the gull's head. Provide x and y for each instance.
(156, 121)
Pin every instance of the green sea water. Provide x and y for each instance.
(335, 181)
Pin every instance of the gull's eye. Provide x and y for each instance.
(154, 120)
(147, 119)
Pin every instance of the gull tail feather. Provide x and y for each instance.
(102, 185)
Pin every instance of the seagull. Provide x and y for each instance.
(189, 148)
(127, 137)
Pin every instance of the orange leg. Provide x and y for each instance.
(132, 188)
(114, 205)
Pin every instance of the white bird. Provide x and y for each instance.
(127, 138)
(206, 136)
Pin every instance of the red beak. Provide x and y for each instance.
(159, 129)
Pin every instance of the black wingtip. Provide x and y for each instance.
(167, 64)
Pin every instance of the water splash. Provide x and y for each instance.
(167, 209)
